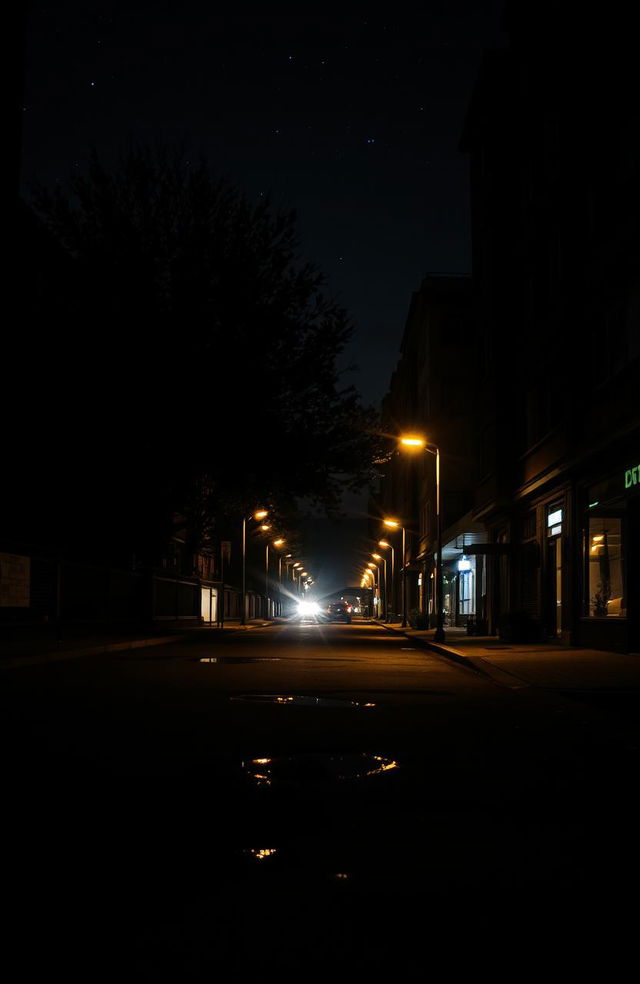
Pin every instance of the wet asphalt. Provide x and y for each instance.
(306, 799)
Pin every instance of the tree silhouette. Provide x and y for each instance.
(206, 351)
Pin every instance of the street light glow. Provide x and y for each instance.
(261, 513)
(278, 543)
(393, 523)
(376, 556)
(265, 526)
(383, 543)
(413, 441)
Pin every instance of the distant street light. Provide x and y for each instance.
(378, 557)
(414, 442)
(393, 524)
(387, 546)
(279, 543)
(276, 543)
(375, 570)
(370, 587)
(258, 514)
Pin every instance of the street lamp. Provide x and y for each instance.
(414, 442)
(379, 558)
(387, 546)
(276, 543)
(258, 514)
(375, 570)
(367, 573)
(393, 524)
(279, 543)
(294, 574)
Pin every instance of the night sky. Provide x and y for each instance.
(353, 119)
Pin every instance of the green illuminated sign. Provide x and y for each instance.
(632, 477)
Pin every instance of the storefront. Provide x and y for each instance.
(609, 512)
(464, 575)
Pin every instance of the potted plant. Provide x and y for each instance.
(601, 599)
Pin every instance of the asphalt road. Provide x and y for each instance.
(302, 799)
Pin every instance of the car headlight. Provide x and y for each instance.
(308, 608)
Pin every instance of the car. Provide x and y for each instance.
(338, 611)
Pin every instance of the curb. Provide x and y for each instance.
(475, 664)
(451, 654)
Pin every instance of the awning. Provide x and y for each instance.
(488, 548)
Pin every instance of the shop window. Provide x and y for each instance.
(605, 581)
(466, 586)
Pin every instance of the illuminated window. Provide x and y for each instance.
(467, 586)
(554, 521)
(605, 579)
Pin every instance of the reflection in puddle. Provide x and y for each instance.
(237, 659)
(302, 700)
(316, 768)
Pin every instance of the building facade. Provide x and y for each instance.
(539, 539)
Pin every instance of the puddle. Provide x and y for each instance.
(237, 659)
(300, 700)
(408, 649)
(316, 768)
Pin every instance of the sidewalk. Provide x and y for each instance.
(30, 645)
(518, 665)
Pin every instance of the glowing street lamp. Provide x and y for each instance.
(276, 543)
(375, 570)
(258, 514)
(393, 524)
(387, 546)
(369, 585)
(379, 557)
(279, 543)
(414, 442)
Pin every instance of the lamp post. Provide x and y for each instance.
(379, 557)
(367, 573)
(279, 543)
(287, 561)
(387, 546)
(393, 524)
(375, 570)
(265, 528)
(266, 577)
(417, 443)
(257, 515)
